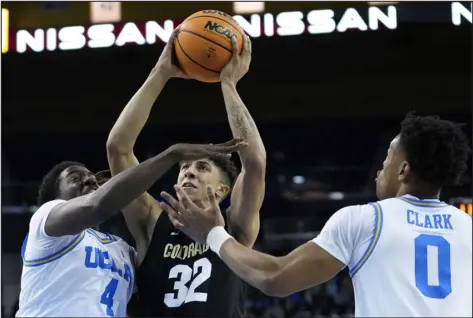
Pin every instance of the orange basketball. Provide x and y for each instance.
(203, 46)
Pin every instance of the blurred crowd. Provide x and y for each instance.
(332, 299)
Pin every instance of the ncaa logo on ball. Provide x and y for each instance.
(220, 29)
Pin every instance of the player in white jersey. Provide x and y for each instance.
(71, 270)
(409, 255)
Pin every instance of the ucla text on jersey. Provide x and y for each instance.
(88, 274)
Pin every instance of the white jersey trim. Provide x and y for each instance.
(104, 240)
(427, 203)
(44, 260)
(378, 226)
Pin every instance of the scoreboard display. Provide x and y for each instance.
(464, 204)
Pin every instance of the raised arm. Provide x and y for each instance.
(248, 192)
(124, 134)
(86, 211)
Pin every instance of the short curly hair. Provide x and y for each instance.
(228, 167)
(49, 188)
(437, 150)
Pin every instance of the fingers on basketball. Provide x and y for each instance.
(175, 32)
(234, 47)
(247, 48)
(172, 37)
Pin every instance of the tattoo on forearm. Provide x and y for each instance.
(242, 121)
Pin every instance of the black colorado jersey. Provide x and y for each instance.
(181, 278)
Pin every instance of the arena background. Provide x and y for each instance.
(326, 105)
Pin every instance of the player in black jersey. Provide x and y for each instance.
(176, 276)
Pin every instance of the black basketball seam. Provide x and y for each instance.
(191, 59)
(202, 37)
(211, 16)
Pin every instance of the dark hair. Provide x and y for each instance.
(49, 187)
(436, 149)
(228, 167)
(103, 176)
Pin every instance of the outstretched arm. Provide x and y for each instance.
(123, 136)
(86, 211)
(305, 267)
(89, 210)
(345, 237)
(248, 192)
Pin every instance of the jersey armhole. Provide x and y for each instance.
(377, 228)
(161, 230)
(162, 225)
(53, 256)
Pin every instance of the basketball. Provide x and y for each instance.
(203, 45)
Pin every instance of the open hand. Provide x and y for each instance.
(198, 151)
(166, 65)
(239, 64)
(188, 218)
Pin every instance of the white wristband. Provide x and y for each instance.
(216, 237)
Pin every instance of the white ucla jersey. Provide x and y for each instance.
(85, 275)
(407, 257)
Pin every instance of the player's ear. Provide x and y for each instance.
(222, 191)
(404, 171)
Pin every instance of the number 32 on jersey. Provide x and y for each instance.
(182, 294)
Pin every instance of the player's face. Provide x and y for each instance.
(389, 178)
(194, 176)
(76, 181)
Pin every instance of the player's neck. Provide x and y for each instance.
(422, 193)
(203, 204)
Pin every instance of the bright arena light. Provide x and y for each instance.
(245, 7)
(298, 179)
(5, 29)
(381, 3)
(105, 12)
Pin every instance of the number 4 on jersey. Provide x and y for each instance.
(182, 293)
(107, 296)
